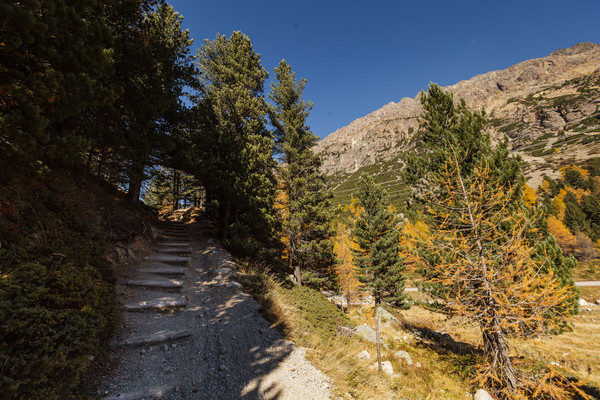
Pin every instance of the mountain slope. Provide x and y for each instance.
(541, 104)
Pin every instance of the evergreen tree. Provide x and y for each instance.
(446, 125)
(171, 189)
(155, 80)
(591, 207)
(307, 225)
(378, 254)
(53, 57)
(575, 218)
(237, 163)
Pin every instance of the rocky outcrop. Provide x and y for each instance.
(553, 97)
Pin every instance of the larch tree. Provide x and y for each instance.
(346, 269)
(307, 218)
(236, 148)
(377, 237)
(446, 124)
(482, 265)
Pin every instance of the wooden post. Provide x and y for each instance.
(378, 340)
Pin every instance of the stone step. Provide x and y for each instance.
(171, 239)
(168, 258)
(182, 243)
(174, 231)
(164, 270)
(177, 238)
(149, 393)
(173, 249)
(161, 304)
(154, 283)
(155, 338)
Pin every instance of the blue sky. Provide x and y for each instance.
(359, 55)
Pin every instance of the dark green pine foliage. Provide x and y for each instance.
(552, 257)
(171, 189)
(446, 124)
(575, 179)
(376, 233)
(309, 223)
(157, 66)
(575, 218)
(53, 56)
(590, 205)
(236, 147)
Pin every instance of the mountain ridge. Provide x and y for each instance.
(529, 100)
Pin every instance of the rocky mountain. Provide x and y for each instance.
(549, 107)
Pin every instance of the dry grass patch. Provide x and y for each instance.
(308, 319)
(587, 271)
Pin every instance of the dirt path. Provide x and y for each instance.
(216, 347)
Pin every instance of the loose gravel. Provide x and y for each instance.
(232, 352)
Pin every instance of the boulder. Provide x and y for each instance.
(366, 332)
(551, 119)
(364, 355)
(386, 367)
(403, 355)
(384, 314)
(482, 395)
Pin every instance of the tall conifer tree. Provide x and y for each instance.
(236, 146)
(307, 226)
(378, 254)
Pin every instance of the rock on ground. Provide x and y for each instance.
(384, 314)
(482, 395)
(366, 332)
(403, 355)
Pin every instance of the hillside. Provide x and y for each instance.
(549, 107)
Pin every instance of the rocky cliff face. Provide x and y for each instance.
(549, 107)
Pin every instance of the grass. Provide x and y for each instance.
(445, 368)
(587, 271)
(306, 317)
(386, 173)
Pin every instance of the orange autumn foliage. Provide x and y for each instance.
(566, 240)
(481, 267)
(529, 196)
(346, 270)
(583, 172)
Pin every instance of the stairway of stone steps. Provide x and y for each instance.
(155, 307)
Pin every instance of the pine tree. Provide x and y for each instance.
(154, 84)
(53, 57)
(236, 148)
(307, 223)
(378, 254)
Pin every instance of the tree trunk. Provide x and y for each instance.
(378, 340)
(298, 274)
(176, 190)
(136, 176)
(496, 349)
(225, 211)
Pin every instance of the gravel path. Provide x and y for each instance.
(226, 350)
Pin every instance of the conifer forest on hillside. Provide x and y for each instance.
(109, 122)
